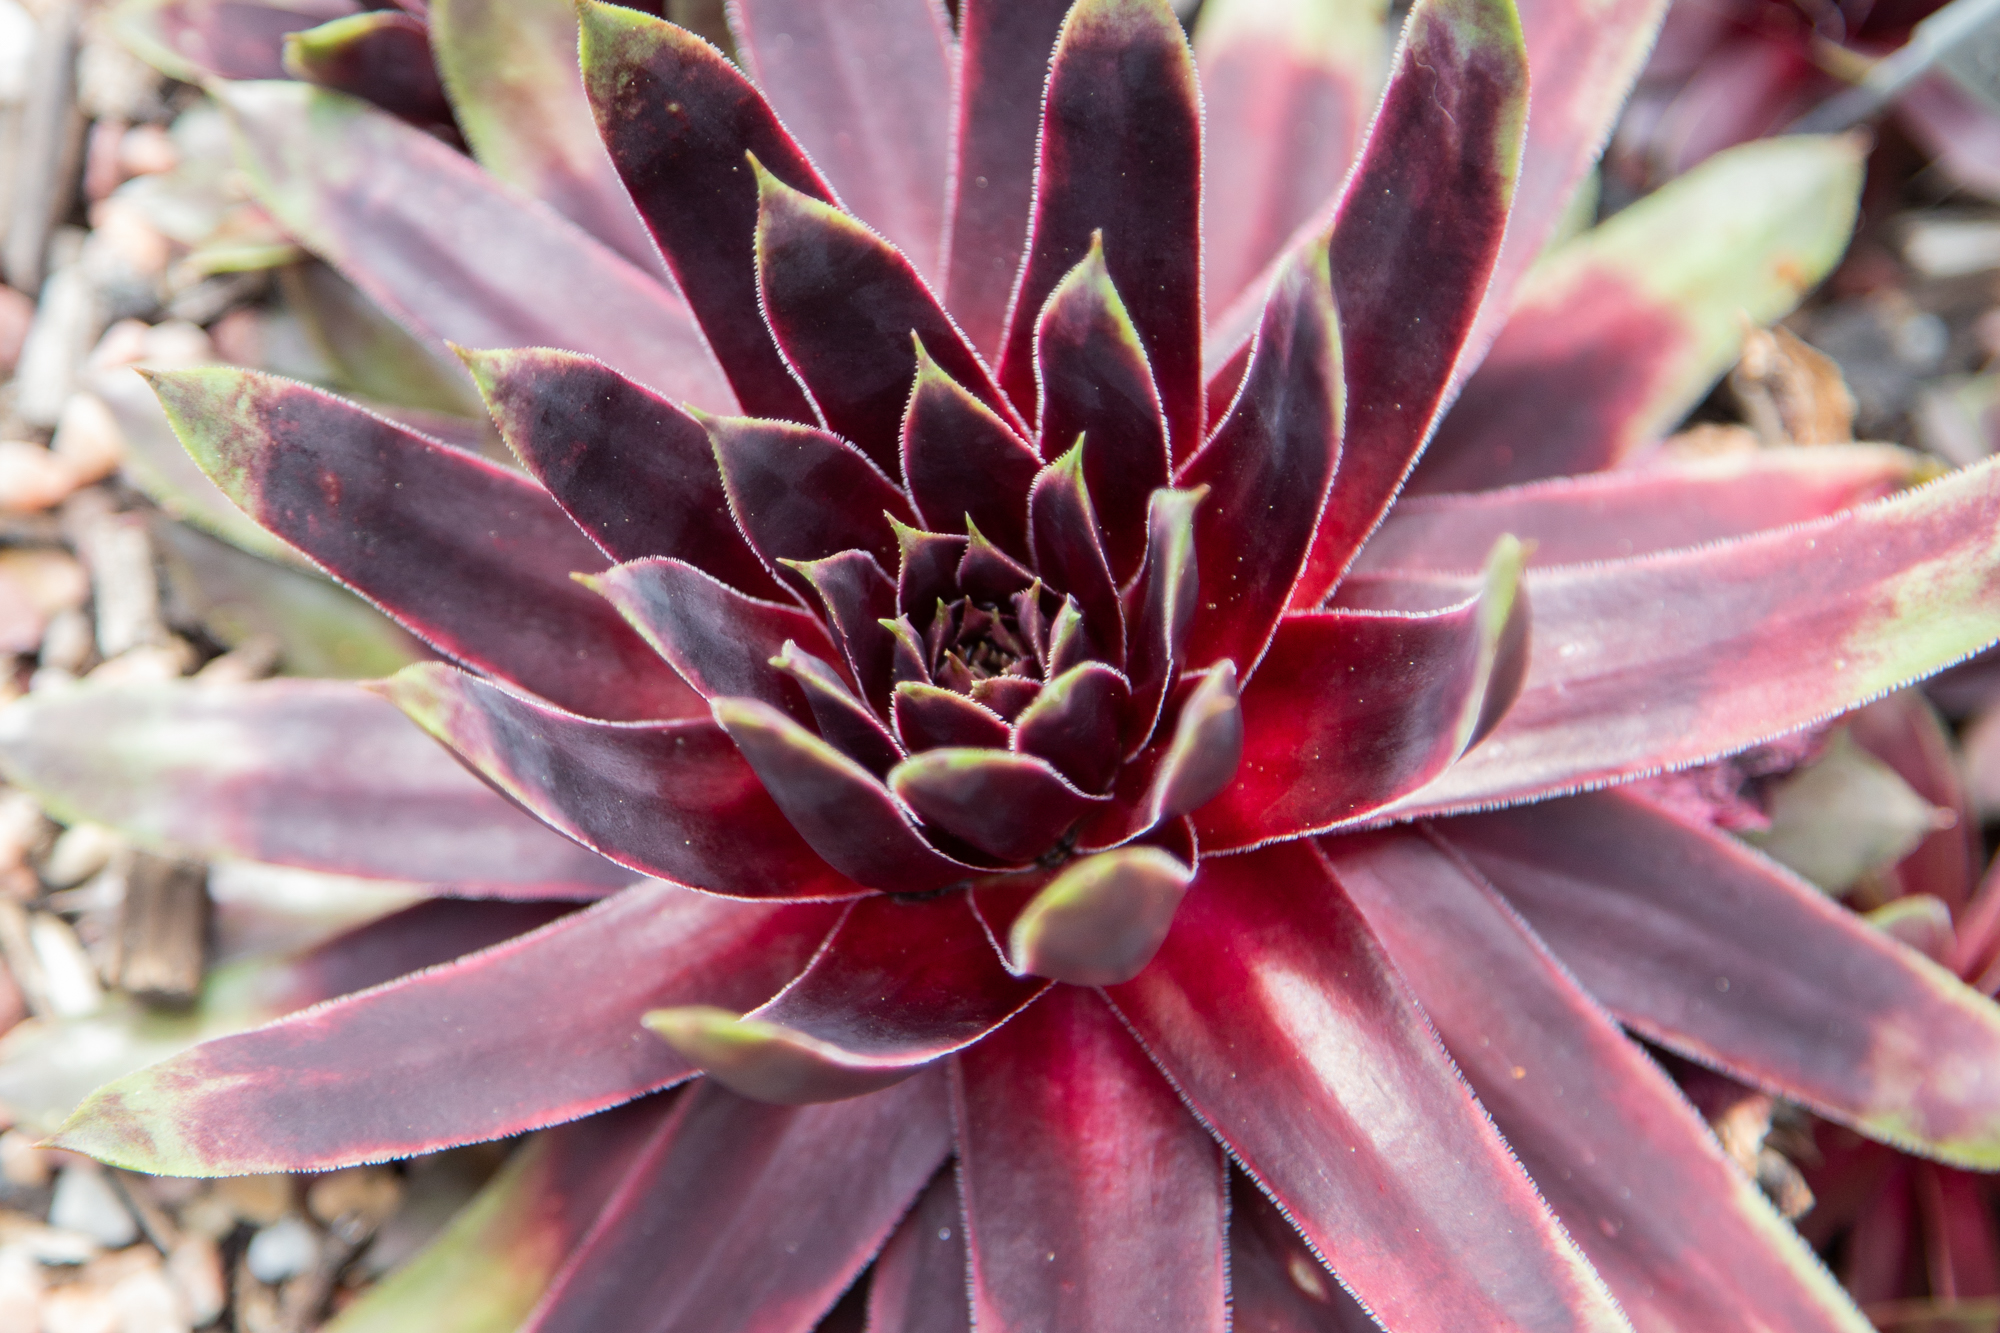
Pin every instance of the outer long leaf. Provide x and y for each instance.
(1004, 48)
(1071, 1145)
(1682, 1236)
(484, 1272)
(1637, 511)
(918, 1284)
(868, 91)
(743, 1216)
(1121, 154)
(472, 558)
(301, 773)
(1724, 955)
(1284, 1028)
(1732, 644)
(1622, 330)
(449, 252)
(1287, 89)
(1412, 249)
(193, 40)
(512, 74)
(673, 799)
(456, 1054)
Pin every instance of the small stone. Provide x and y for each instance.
(195, 1269)
(17, 313)
(282, 1250)
(22, 1164)
(53, 580)
(69, 978)
(147, 1302)
(88, 439)
(85, 1202)
(147, 150)
(146, 664)
(79, 1309)
(258, 1200)
(79, 853)
(365, 1195)
(20, 1289)
(68, 643)
(33, 479)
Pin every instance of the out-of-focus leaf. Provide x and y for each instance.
(370, 355)
(1843, 815)
(381, 55)
(226, 39)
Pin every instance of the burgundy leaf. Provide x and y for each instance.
(1731, 644)
(962, 463)
(858, 598)
(721, 641)
(897, 986)
(238, 39)
(918, 1285)
(1355, 709)
(471, 557)
(452, 254)
(422, 935)
(745, 1216)
(1268, 470)
(929, 717)
(632, 470)
(541, 1029)
(381, 56)
(315, 774)
(1684, 1239)
(928, 570)
(868, 92)
(1101, 920)
(679, 120)
(1637, 511)
(672, 799)
(1709, 948)
(1004, 48)
(1284, 1028)
(848, 724)
(1093, 1200)
(1069, 552)
(1276, 1283)
(1120, 155)
(988, 574)
(1413, 246)
(1012, 806)
(1286, 94)
(802, 494)
(1074, 723)
(1096, 387)
(839, 808)
(1161, 605)
(843, 304)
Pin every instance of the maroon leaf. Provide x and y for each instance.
(1121, 155)
(962, 463)
(1092, 1198)
(1682, 1236)
(1637, 511)
(868, 91)
(918, 1285)
(532, 1032)
(1074, 724)
(1735, 643)
(850, 725)
(672, 799)
(843, 304)
(1069, 555)
(229, 39)
(1413, 246)
(928, 571)
(631, 469)
(1004, 48)
(897, 986)
(1268, 470)
(1101, 920)
(802, 494)
(988, 574)
(721, 641)
(745, 1216)
(314, 774)
(678, 120)
(381, 56)
(1284, 1028)
(423, 935)
(471, 557)
(1012, 806)
(929, 716)
(837, 806)
(1097, 388)
(858, 597)
(448, 251)
(1709, 948)
(1276, 1283)
(1354, 709)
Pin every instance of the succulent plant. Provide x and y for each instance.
(1051, 741)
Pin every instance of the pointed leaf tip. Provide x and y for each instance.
(767, 1062)
(1206, 748)
(1101, 920)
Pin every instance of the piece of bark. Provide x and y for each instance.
(164, 930)
(50, 152)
